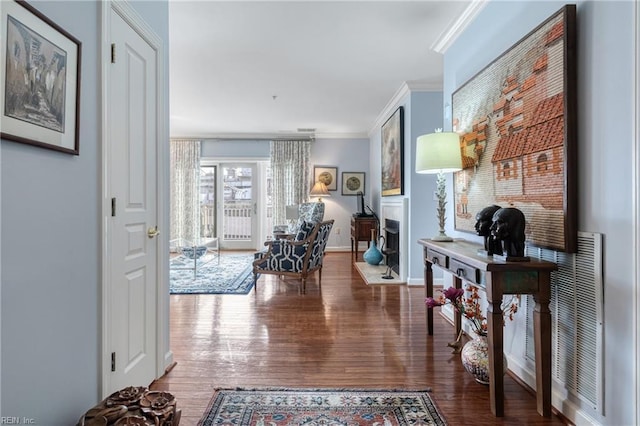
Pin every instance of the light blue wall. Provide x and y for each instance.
(605, 147)
(235, 148)
(50, 281)
(423, 113)
(348, 155)
(426, 115)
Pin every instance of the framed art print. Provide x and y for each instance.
(40, 84)
(517, 124)
(326, 175)
(392, 154)
(352, 183)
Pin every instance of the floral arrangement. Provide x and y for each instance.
(469, 306)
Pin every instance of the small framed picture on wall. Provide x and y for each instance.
(352, 183)
(326, 175)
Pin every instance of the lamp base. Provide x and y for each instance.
(442, 202)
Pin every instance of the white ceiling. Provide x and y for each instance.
(258, 69)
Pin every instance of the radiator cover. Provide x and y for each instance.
(577, 319)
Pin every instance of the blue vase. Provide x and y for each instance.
(373, 256)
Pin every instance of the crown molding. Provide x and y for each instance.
(392, 104)
(246, 136)
(405, 89)
(443, 42)
(448, 36)
(360, 135)
(271, 136)
(421, 86)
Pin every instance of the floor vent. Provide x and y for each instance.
(577, 320)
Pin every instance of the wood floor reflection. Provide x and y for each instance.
(346, 334)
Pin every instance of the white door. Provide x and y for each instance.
(132, 245)
(239, 206)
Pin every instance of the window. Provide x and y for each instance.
(208, 202)
(506, 169)
(542, 163)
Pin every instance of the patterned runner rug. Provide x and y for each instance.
(232, 276)
(316, 407)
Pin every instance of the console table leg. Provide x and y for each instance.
(542, 333)
(457, 316)
(428, 290)
(496, 345)
(457, 322)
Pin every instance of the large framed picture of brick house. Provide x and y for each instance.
(517, 124)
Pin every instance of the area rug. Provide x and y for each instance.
(346, 407)
(232, 276)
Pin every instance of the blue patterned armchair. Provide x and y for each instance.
(297, 258)
(308, 214)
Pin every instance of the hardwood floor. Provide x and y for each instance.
(346, 334)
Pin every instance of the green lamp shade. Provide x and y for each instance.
(438, 153)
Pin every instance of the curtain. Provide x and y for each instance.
(290, 173)
(185, 190)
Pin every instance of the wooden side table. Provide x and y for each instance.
(498, 277)
(361, 231)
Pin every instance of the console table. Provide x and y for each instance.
(498, 277)
(361, 231)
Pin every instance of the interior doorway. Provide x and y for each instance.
(134, 332)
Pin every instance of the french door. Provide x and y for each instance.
(208, 200)
(239, 206)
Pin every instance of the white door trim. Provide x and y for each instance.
(635, 171)
(0, 284)
(164, 356)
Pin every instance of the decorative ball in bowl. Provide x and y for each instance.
(194, 252)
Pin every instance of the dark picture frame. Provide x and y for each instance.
(353, 182)
(40, 91)
(517, 123)
(393, 154)
(328, 175)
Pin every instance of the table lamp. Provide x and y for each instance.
(439, 153)
(319, 190)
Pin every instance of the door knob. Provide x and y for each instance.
(152, 232)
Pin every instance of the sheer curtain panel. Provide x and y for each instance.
(290, 170)
(185, 189)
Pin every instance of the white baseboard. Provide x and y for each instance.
(338, 249)
(168, 358)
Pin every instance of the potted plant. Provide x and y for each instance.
(474, 354)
